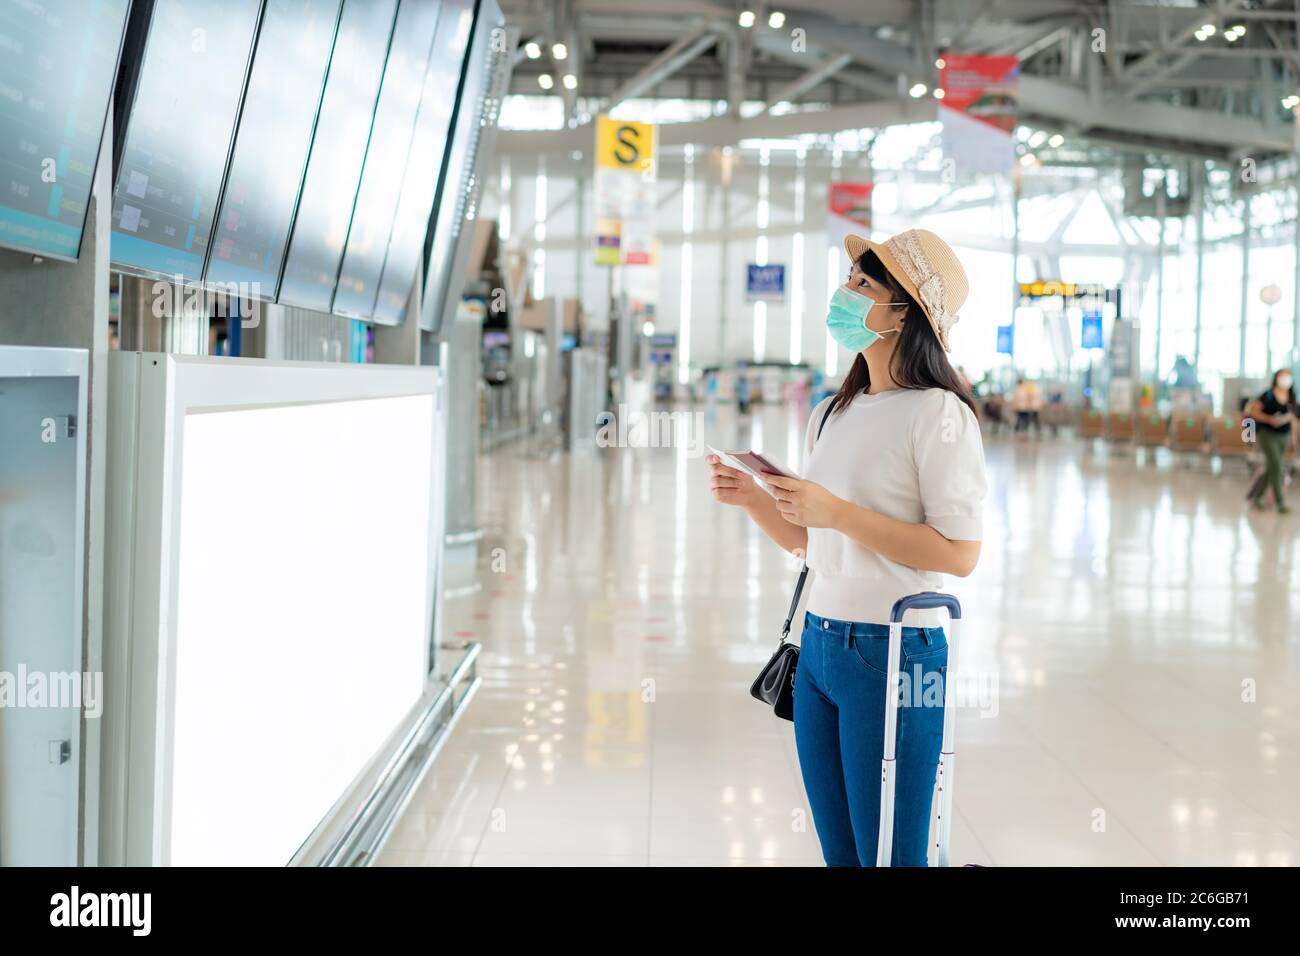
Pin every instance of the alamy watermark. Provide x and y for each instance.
(70, 690)
(631, 428)
(222, 300)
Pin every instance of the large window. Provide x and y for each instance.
(1078, 224)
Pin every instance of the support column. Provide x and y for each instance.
(66, 305)
(1200, 266)
(1293, 358)
(1245, 282)
(1160, 272)
(725, 252)
(1015, 254)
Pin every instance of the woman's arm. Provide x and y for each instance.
(763, 511)
(903, 542)
(732, 487)
(809, 505)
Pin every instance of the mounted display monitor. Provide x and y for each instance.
(271, 145)
(58, 60)
(338, 152)
(420, 182)
(444, 252)
(178, 134)
(386, 157)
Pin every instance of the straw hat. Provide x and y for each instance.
(927, 268)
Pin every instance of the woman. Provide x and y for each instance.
(1273, 411)
(892, 499)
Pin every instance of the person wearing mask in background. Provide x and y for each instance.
(892, 501)
(1273, 412)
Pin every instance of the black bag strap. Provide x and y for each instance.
(803, 572)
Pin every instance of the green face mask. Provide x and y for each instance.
(846, 321)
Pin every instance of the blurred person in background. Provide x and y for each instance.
(993, 411)
(1027, 402)
(1273, 412)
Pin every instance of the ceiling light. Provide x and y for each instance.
(1202, 35)
(532, 50)
(938, 93)
(1056, 141)
(545, 81)
(560, 51)
(1037, 139)
(1208, 29)
(940, 63)
(1027, 159)
(570, 81)
(1239, 29)
(776, 20)
(918, 90)
(1231, 36)
(747, 18)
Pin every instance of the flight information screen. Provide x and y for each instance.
(271, 146)
(420, 182)
(386, 155)
(58, 61)
(338, 152)
(178, 134)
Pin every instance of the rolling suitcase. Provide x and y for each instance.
(924, 601)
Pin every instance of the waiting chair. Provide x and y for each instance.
(1152, 429)
(1187, 433)
(1227, 440)
(1092, 424)
(1120, 427)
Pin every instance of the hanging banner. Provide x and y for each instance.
(609, 237)
(1091, 337)
(626, 172)
(1006, 339)
(848, 212)
(979, 111)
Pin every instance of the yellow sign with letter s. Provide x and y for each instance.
(624, 145)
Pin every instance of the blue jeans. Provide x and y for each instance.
(839, 728)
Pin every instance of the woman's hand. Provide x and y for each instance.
(730, 486)
(804, 503)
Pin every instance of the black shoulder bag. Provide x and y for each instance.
(775, 682)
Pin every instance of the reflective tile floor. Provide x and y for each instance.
(1131, 665)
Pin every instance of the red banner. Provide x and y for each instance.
(985, 88)
(979, 110)
(848, 211)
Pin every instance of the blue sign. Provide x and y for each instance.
(1006, 339)
(765, 283)
(1092, 330)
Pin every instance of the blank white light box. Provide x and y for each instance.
(284, 529)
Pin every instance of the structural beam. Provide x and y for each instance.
(813, 78)
(1222, 131)
(664, 65)
(1147, 64)
(724, 131)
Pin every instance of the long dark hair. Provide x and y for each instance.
(919, 361)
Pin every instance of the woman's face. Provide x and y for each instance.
(880, 319)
